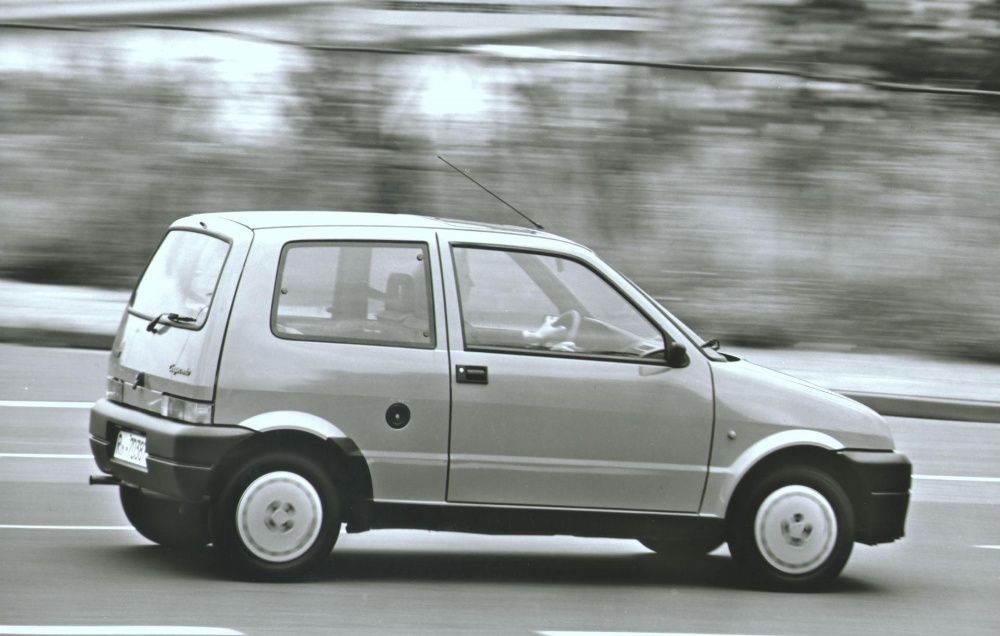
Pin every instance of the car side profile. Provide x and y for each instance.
(277, 376)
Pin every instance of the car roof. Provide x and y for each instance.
(274, 219)
(261, 220)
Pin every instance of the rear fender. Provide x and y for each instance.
(294, 421)
(350, 467)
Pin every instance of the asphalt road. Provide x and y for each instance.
(69, 560)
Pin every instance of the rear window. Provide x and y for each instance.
(182, 276)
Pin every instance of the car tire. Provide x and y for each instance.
(792, 530)
(170, 523)
(277, 517)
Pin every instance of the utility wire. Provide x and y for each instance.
(547, 56)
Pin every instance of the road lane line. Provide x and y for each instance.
(11, 526)
(551, 633)
(983, 480)
(116, 630)
(44, 404)
(988, 547)
(43, 456)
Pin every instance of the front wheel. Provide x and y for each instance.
(794, 529)
(277, 517)
(174, 524)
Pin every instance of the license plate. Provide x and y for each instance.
(131, 449)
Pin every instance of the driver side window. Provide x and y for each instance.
(549, 304)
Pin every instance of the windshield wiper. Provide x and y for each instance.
(172, 317)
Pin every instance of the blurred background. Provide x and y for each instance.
(763, 209)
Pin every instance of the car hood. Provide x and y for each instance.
(761, 402)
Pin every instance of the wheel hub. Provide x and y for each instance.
(279, 516)
(795, 529)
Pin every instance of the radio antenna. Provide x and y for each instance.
(493, 194)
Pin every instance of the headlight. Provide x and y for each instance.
(186, 410)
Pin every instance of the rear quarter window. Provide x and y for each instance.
(354, 292)
(182, 276)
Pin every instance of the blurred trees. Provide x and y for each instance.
(762, 209)
(88, 165)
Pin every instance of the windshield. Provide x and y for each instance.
(694, 337)
(182, 277)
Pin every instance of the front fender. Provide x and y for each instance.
(722, 480)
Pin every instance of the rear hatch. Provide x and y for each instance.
(166, 353)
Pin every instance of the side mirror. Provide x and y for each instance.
(677, 356)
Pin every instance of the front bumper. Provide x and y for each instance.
(881, 494)
(180, 456)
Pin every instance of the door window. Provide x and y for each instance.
(524, 301)
(367, 293)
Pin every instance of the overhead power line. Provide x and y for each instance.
(526, 54)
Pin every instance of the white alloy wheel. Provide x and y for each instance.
(279, 516)
(795, 529)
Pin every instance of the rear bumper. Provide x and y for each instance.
(180, 456)
(882, 494)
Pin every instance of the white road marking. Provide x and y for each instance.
(43, 404)
(983, 480)
(116, 630)
(988, 547)
(43, 456)
(10, 526)
(551, 633)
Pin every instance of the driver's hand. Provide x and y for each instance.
(548, 332)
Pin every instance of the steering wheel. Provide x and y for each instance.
(570, 319)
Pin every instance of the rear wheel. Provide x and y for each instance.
(170, 523)
(794, 530)
(277, 517)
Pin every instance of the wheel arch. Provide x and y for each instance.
(826, 459)
(293, 421)
(314, 437)
(784, 447)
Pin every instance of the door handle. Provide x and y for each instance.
(471, 375)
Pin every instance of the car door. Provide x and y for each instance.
(342, 324)
(561, 395)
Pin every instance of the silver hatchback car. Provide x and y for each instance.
(277, 375)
